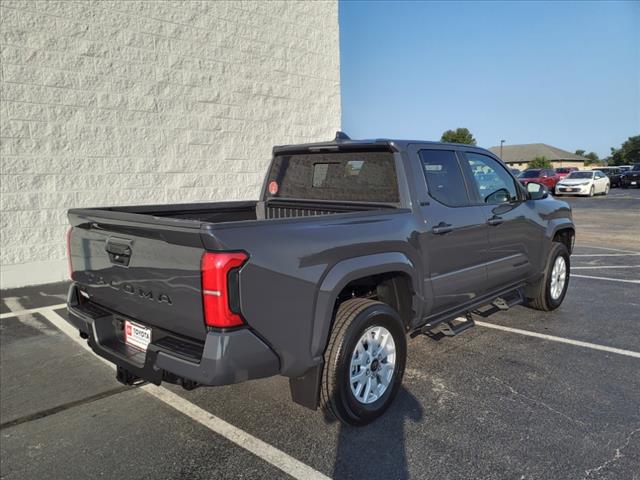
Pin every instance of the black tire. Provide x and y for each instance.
(539, 295)
(353, 318)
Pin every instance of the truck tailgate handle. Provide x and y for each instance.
(442, 228)
(119, 250)
(495, 220)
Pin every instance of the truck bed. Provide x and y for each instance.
(224, 212)
(145, 260)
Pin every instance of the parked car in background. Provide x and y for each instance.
(516, 171)
(564, 171)
(545, 176)
(613, 173)
(631, 178)
(584, 182)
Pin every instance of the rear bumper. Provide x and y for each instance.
(223, 358)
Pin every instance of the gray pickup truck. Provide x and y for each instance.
(352, 247)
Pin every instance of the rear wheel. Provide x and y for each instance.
(364, 361)
(549, 292)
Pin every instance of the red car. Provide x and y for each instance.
(564, 171)
(545, 176)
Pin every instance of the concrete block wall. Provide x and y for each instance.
(133, 102)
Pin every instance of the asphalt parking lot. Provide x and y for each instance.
(527, 394)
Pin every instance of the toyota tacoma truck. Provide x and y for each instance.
(353, 247)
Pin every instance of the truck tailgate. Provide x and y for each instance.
(144, 267)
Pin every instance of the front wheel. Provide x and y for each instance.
(592, 191)
(549, 292)
(364, 361)
(606, 190)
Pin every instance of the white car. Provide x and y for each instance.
(583, 182)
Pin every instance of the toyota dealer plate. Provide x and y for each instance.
(136, 335)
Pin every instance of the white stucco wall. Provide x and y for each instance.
(131, 102)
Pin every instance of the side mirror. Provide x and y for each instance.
(537, 191)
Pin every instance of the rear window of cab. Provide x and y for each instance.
(340, 176)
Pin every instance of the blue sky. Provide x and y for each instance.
(562, 73)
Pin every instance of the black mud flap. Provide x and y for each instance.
(305, 390)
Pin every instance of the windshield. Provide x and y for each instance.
(636, 167)
(580, 175)
(530, 174)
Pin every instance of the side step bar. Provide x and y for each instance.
(516, 297)
(450, 327)
(456, 326)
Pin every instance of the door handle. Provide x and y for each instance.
(442, 228)
(495, 220)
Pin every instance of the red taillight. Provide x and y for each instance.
(69, 253)
(216, 296)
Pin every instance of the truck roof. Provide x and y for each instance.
(343, 142)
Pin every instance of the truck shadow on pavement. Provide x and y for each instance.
(378, 449)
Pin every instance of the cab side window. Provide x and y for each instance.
(444, 177)
(494, 185)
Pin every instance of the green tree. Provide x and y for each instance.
(459, 135)
(631, 150)
(592, 159)
(628, 153)
(580, 152)
(540, 162)
(616, 157)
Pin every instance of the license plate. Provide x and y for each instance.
(136, 335)
(633, 183)
(571, 189)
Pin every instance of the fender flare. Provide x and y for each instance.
(340, 275)
(553, 227)
(557, 224)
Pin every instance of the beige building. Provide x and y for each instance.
(519, 156)
(131, 102)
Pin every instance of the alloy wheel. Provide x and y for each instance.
(558, 277)
(372, 364)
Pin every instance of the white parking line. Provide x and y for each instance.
(605, 254)
(18, 313)
(263, 450)
(609, 267)
(606, 248)
(606, 278)
(14, 304)
(578, 343)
